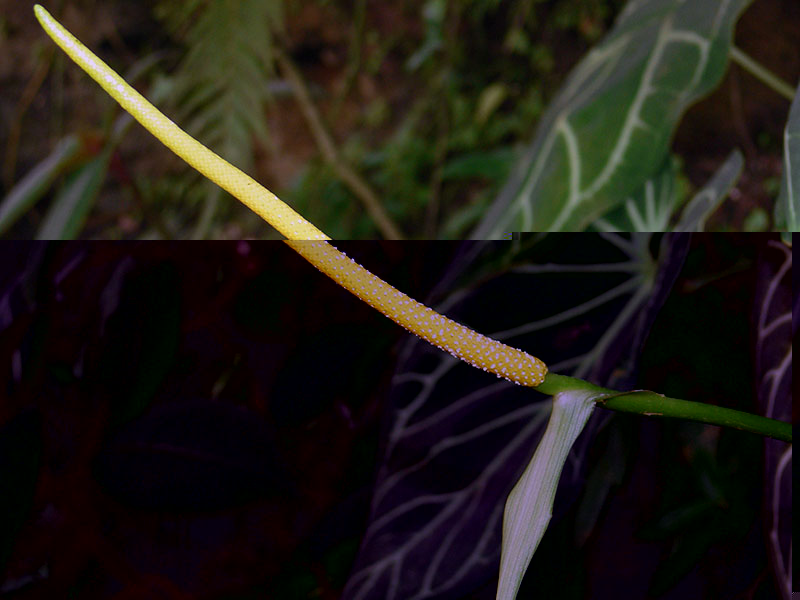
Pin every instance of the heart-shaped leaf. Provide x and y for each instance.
(457, 439)
(608, 129)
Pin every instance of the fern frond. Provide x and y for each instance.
(222, 83)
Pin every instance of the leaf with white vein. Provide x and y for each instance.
(650, 208)
(530, 504)
(777, 307)
(457, 439)
(708, 199)
(608, 130)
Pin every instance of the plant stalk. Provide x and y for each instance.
(651, 404)
(761, 73)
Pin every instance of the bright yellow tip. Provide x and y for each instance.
(263, 202)
(462, 342)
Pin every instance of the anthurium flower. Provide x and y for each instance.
(462, 342)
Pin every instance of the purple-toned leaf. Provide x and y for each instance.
(775, 329)
(457, 439)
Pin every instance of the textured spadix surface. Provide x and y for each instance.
(476, 349)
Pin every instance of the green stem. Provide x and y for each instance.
(554, 383)
(761, 73)
(655, 405)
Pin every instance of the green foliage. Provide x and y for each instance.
(608, 130)
(708, 199)
(70, 208)
(649, 208)
(708, 500)
(757, 220)
(223, 83)
(787, 210)
(319, 192)
(33, 186)
(77, 169)
(454, 145)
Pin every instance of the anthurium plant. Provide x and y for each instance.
(529, 505)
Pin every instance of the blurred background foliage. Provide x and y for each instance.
(427, 101)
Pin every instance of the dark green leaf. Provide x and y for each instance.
(67, 215)
(33, 186)
(608, 129)
(787, 211)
